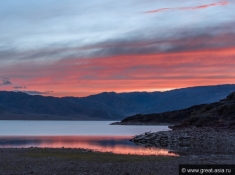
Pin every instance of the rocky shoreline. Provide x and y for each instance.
(141, 123)
(191, 141)
(193, 145)
(165, 118)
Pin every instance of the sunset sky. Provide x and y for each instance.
(78, 48)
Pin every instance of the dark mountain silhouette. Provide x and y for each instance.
(156, 102)
(218, 114)
(107, 105)
(22, 104)
(1, 111)
(171, 117)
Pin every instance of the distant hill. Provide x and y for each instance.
(155, 102)
(1, 111)
(171, 117)
(19, 105)
(107, 105)
(218, 114)
(187, 97)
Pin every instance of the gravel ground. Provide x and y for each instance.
(191, 141)
(45, 161)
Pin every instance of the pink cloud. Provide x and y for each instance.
(76, 77)
(189, 8)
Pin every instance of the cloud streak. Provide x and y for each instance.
(123, 73)
(189, 8)
(5, 81)
(185, 40)
(180, 43)
(19, 87)
(36, 92)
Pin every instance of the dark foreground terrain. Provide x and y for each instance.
(220, 114)
(83, 162)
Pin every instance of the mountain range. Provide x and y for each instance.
(106, 105)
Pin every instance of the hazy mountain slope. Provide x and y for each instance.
(186, 97)
(123, 103)
(95, 108)
(155, 102)
(172, 117)
(111, 105)
(1, 110)
(21, 103)
(218, 114)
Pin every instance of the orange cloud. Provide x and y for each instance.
(152, 72)
(189, 8)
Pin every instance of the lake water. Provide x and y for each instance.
(95, 135)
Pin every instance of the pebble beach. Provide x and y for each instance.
(63, 161)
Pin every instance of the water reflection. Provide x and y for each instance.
(115, 144)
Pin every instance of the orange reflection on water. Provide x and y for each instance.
(115, 144)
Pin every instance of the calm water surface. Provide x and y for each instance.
(96, 135)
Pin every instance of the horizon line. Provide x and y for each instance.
(167, 90)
